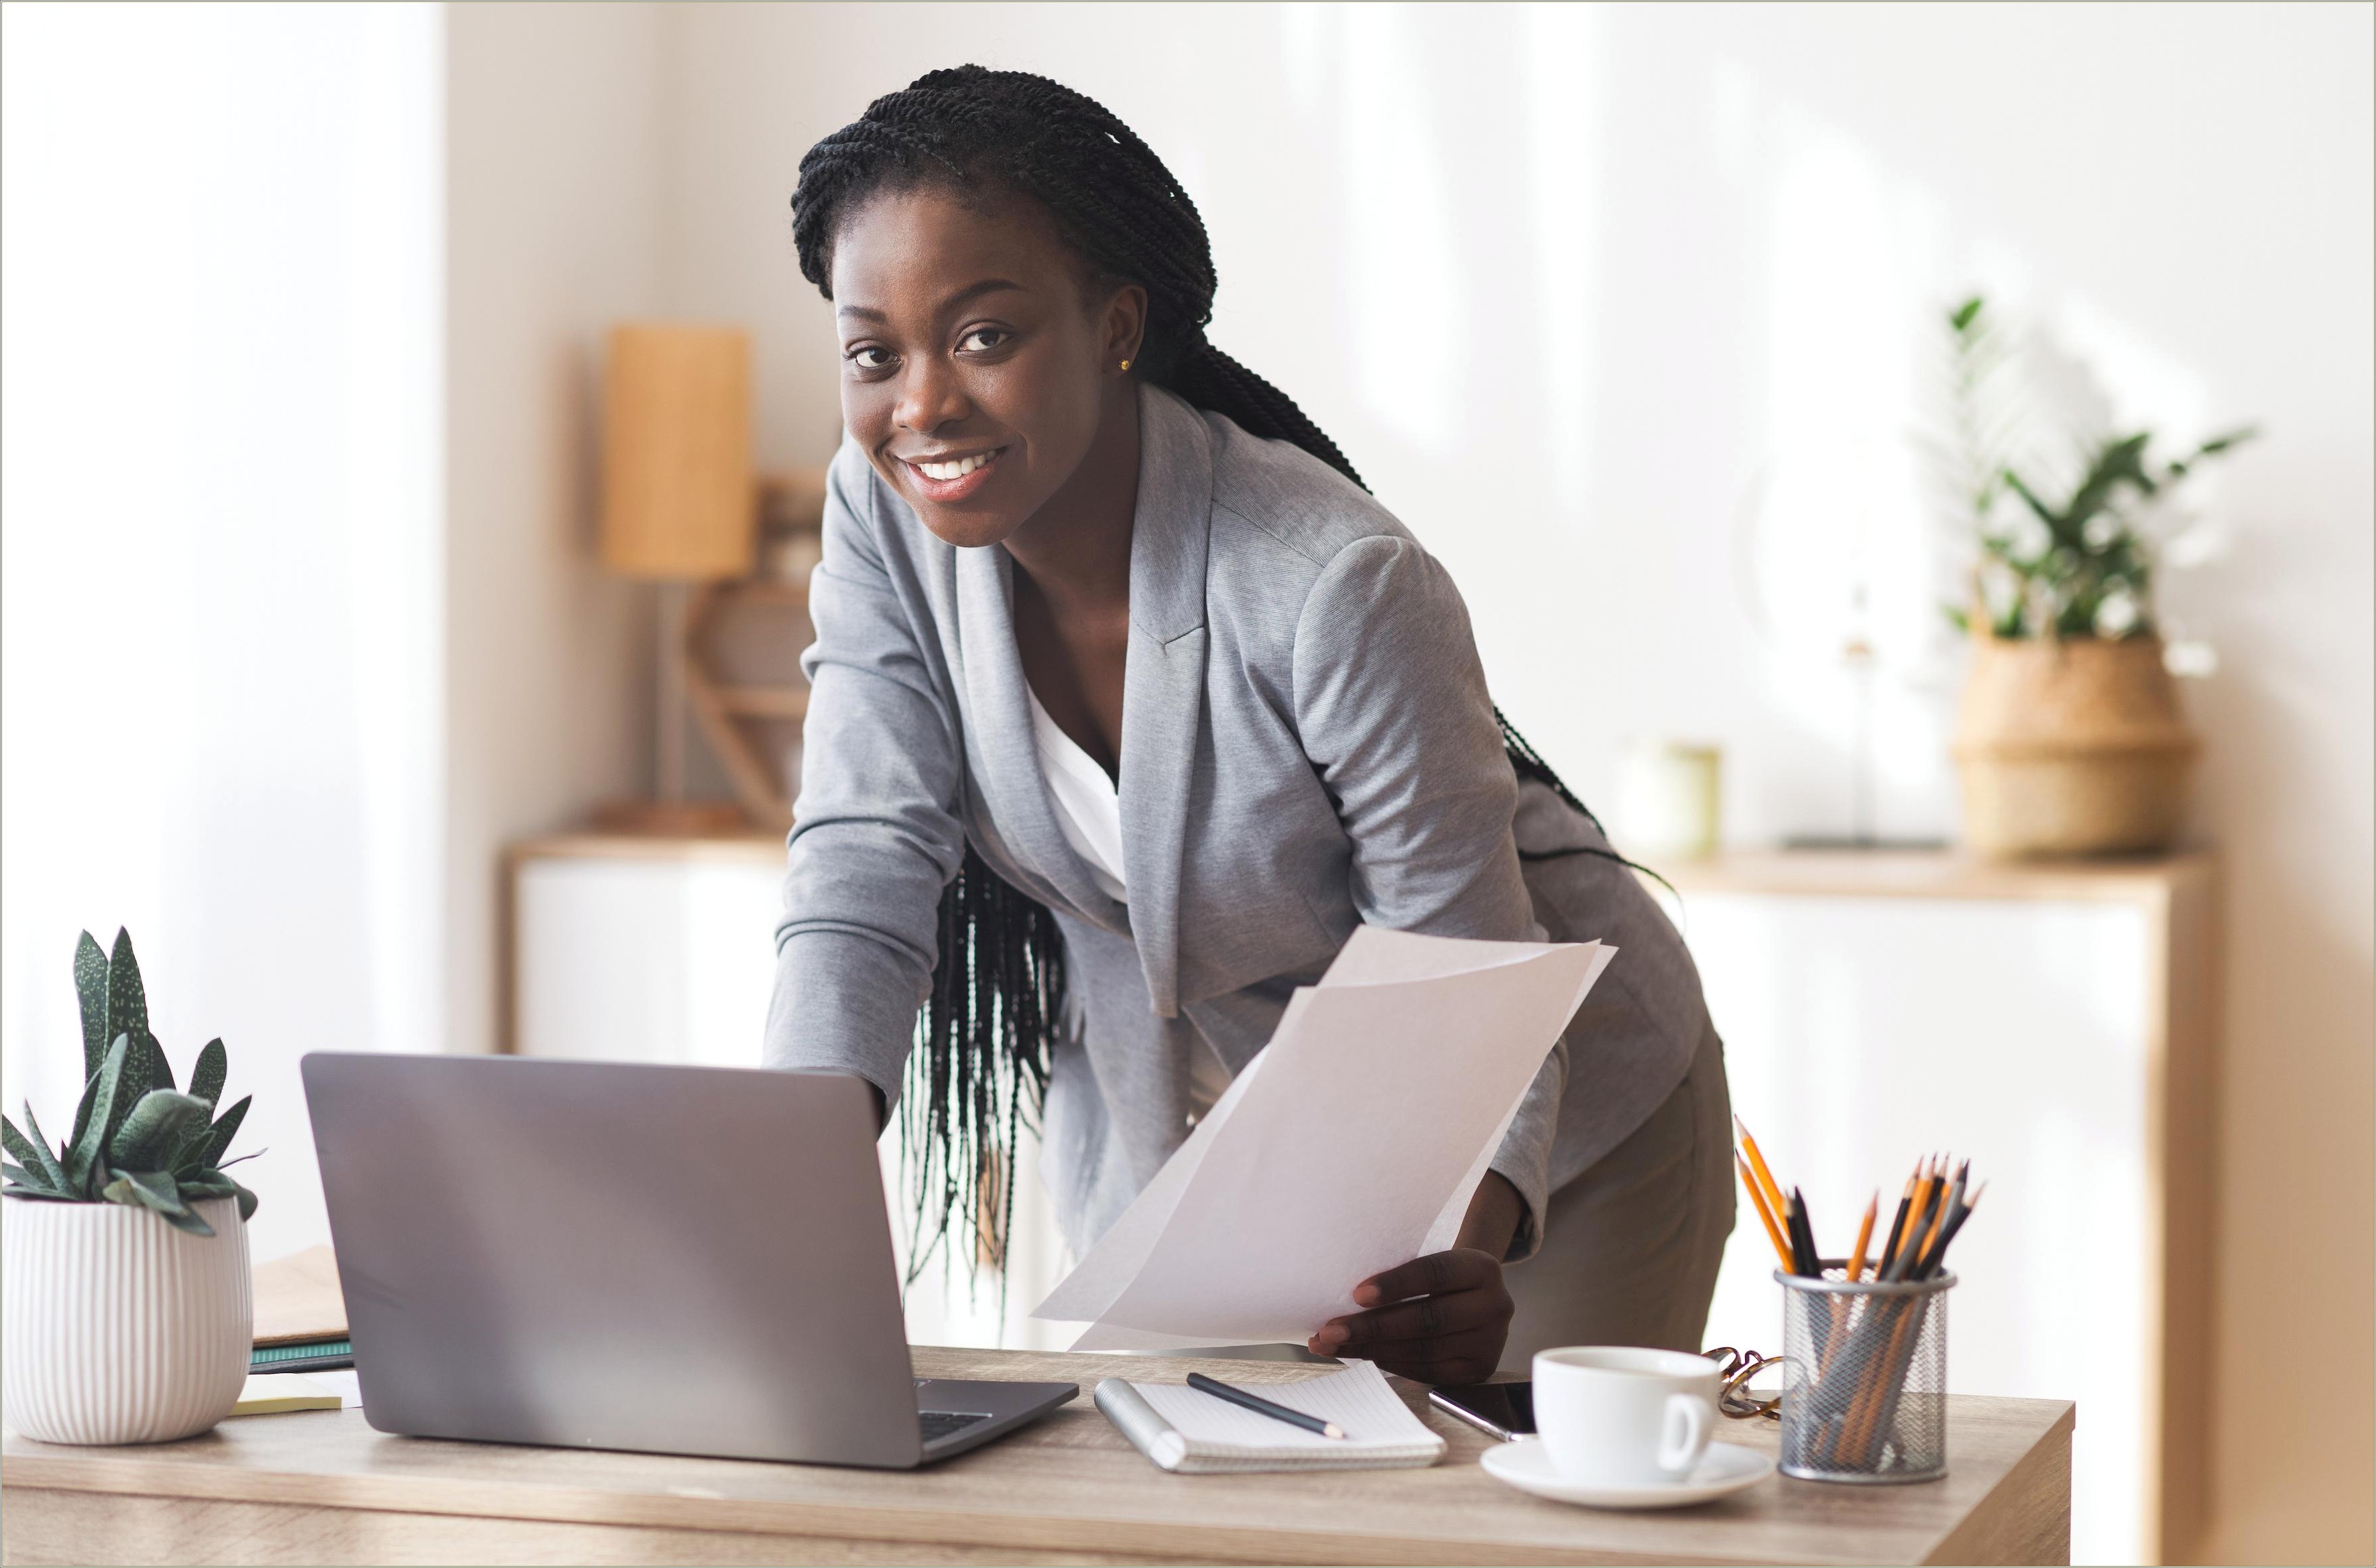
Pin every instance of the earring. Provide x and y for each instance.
(1126, 364)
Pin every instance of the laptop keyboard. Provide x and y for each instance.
(939, 1424)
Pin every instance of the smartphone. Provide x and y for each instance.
(1499, 1410)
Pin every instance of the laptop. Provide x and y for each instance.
(592, 1254)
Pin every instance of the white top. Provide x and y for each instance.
(1088, 810)
(1089, 813)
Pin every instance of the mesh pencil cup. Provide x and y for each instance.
(1864, 1378)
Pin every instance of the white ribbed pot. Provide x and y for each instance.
(120, 1328)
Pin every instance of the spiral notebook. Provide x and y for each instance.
(1194, 1433)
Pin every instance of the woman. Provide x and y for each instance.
(1129, 703)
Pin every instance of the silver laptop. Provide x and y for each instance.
(675, 1260)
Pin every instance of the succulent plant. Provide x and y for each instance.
(138, 1140)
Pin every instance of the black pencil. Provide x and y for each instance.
(1262, 1407)
(1896, 1230)
(1937, 1254)
(1928, 1190)
(1808, 1260)
(1952, 1210)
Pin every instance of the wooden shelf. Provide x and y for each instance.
(772, 590)
(1930, 873)
(764, 702)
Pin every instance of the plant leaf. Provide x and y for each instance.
(83, 1164)
(2014, 483)
(187, 1156)
(189, 1221)
(2118, 463)
(155, 1128)
(128, 1000)
(90, 990)
(226, 1128)
(130, 1089)
(48, 1165)
(157, 1191)
(160, 1072)
(207, 1077)
(17, 1143)
(32, 1186)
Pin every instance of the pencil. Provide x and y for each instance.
(1938, 1254)
(1262, 1407)
(1918, 1220)
(1773, 1231)
(1864, 1238)
(1948, 1207)
(1772, 1189)
(1811, 1258)
(1948, 1198)
(1896, 1228)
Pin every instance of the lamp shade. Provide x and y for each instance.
(678, 498)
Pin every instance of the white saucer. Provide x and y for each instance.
(1725, 1468)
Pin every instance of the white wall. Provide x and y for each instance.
(220, 563)
(556, 202)
(1574, 288)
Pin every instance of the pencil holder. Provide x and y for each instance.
(1864, 1378)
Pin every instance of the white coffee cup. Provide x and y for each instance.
(1616, 1416)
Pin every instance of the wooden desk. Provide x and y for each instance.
(325, 1488)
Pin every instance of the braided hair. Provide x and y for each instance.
(987, 1029)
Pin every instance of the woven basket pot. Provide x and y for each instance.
(2071, 747)
(120, 1328)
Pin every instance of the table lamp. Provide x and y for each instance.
(679, 507)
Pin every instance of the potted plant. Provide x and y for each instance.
(2070, 740)
(127, 1315)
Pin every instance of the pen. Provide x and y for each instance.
(1262, 1407)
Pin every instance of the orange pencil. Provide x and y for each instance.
(1939, 1219)
(1918, 1216)
(1772, 1189)
(1864, 1238)
(1773, 1231)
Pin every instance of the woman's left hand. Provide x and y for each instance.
(1440, 1319)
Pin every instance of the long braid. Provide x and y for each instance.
(986, 1033)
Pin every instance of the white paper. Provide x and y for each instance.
(1352, 1143)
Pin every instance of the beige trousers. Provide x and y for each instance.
(1631, 1246)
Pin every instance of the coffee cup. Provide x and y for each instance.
(1617, 1416)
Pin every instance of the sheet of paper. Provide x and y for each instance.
(1351, 1143)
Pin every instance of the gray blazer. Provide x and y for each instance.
(1307, 745)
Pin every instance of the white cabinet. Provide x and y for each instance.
(2056, 1026)
(646, 949)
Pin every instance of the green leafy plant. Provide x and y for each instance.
(138, 1140)
(2077, 567)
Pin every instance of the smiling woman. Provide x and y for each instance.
(1129, 703)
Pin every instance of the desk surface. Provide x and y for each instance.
(323, 1486)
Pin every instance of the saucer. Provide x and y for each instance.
(1725, 1469)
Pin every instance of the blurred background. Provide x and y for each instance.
(315, 677)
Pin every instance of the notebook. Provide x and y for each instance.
(1194, 1433)
(301, 1315)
